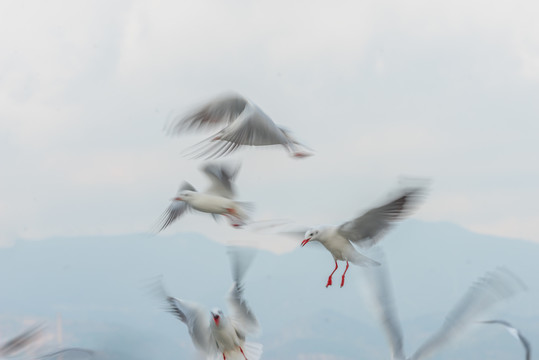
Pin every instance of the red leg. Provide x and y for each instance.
(329, 279)
(342, 281)
(224, 357)
(245, 357)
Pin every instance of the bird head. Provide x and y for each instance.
(184, 195)
(310, 235)
(217, 315)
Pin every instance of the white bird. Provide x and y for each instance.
(18, 343)
(494, 287)
(218, 199)
(516, 333)
(363, 231)
(218, 335)
(242, 123)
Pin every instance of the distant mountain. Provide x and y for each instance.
(100, 287)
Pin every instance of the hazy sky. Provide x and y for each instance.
(441, 90)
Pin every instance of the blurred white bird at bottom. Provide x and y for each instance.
(216, 335)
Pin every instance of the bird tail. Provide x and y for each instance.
(243, 212)
(362, 260)
(253, 351)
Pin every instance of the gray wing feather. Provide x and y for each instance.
(241, 314)
(193, 315)
(222, 178)
(252, 128)
(492, 288)
(515, 332)
(219, 112)
(367, 229)
(21, 341)
(175, 210)
(382, 300)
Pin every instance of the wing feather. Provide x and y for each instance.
(222, 178)
(489, 290)
(218, 112)
(242, 316)
(175, 210)
(369, 228)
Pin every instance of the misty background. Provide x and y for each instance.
(445, 91)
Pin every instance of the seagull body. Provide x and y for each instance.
(218, 199)
(215, 334)
(243, 124)
(363, 231)
(213, 204)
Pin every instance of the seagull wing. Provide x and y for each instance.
(197, 321)
(516, 333)
(369, 228)
(492, 288)
(21, 341)
(241, 314)
(382, 300)
(175, 209)
(252, 128)
(218, 112)
(222, 179)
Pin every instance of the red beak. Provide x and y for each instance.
(177, 198)
(216, 319)
(305, 241)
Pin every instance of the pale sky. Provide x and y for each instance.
(441, 90)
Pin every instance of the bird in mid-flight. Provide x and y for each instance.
(363, 231)
(213, 333)
(241, 123)
(217, 200)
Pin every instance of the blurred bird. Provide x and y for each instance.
(21, 341)
(242, 122)
(219, 335)
(218, 199)
(517, 334)
(494, 287)
(364, 231)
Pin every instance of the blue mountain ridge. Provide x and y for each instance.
(101, 287)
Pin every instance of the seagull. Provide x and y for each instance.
(492, 288)
(364, 231)
(242, 123)
(218, 199)
(517, 334)
(21, 341)
(213, 333)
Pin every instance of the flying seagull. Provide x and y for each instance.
(217, 200)
(364, 231)
(494, 287)
(517, 334)
(242, 123)
(213, 333)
